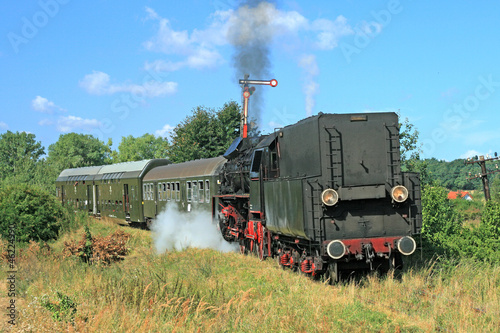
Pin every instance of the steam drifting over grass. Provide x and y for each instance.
(176, 230)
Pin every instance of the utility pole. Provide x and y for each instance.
(481, 160)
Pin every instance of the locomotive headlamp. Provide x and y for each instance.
(399, 193)
(407, 245)
(329, 197)
(336, 249)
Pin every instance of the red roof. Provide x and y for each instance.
(455, 194)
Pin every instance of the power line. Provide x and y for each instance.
(481, 160)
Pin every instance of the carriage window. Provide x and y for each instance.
(188, 192)
(160, 194)
(195, 191)
(168, 190)
(207, 190)
(201, 191)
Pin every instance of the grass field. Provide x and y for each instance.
(202, 290)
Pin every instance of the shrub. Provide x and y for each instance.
(33, 213)
(100, 250)
(440, 220)
(62, 309)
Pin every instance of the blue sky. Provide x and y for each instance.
(113, 68)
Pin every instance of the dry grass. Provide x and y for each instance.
(207, 291)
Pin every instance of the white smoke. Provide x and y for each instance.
(175, 230)
(310, 87)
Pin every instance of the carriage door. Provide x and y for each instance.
(88, 203)
(96, 200)
(126, 202)
(62, 194)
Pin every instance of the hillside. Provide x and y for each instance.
(202, 290)
(452, 175)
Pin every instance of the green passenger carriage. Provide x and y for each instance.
(109, 190)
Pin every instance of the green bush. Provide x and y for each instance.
(440, 220)
(444, 233)
(32, 213)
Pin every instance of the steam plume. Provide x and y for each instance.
(175, 230)
(251, 33)
(310, 87)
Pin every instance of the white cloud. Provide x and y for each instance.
(98, 83)
(166, 131)
(42, 104)
(70, 123)
(329, 32)
(3, 126)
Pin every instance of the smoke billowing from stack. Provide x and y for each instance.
(250, 32)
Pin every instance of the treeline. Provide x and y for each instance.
(205, 133)
(453, 175)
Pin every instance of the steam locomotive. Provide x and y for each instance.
(324, 196)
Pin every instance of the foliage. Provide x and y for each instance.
(98, 250)
(206, 133)
(74, 150)
(444, 232)
(408, 138)
(35, 213)
(495, 189)
(142, 148)
(18, 152)
(453, 175)
(439, 219)
(62, 309)
(21, 160)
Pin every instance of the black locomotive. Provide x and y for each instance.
(326, 195)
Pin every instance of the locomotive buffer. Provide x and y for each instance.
(247, 92)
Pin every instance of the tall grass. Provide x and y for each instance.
(207, 291)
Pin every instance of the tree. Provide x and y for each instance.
(19, 154)
(408, 138)
(206, 133)
(439, 219)
(74, 150)
(410, 150)
(30, 213)
(142, 148)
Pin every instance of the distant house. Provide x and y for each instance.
(459, 194)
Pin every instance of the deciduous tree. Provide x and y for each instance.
(142, 148)
(205, 133)
(74, 150)
(19, 153)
